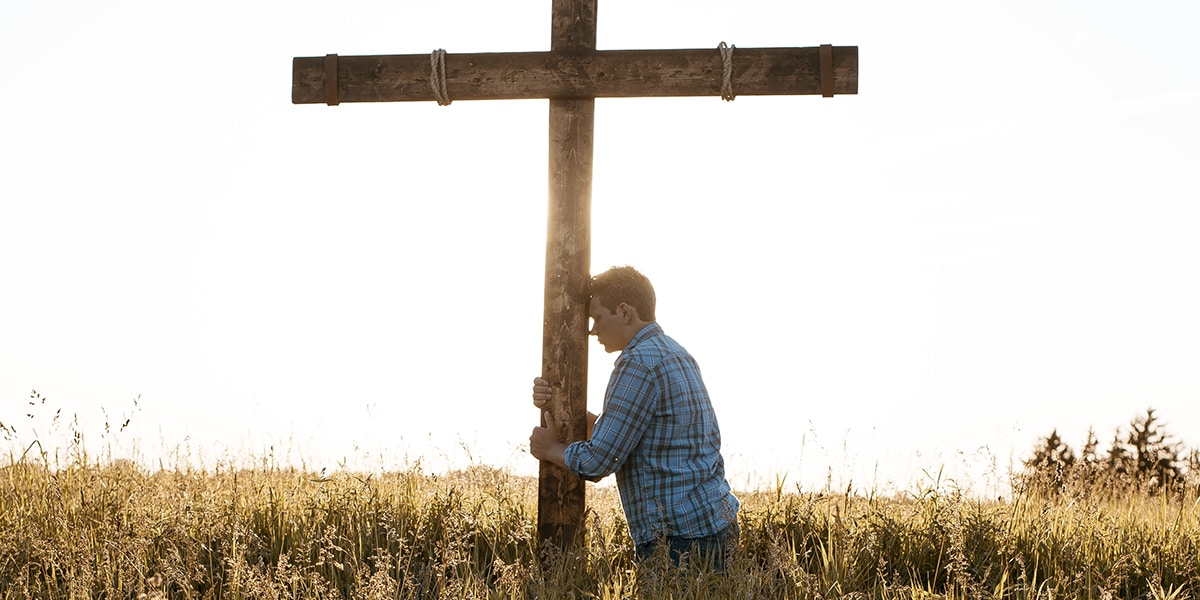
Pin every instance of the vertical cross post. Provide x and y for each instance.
(568, 268)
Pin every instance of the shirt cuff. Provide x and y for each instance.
(569, 458)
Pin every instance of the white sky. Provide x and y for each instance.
(995, 238)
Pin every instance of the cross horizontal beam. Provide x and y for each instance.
(587, 74)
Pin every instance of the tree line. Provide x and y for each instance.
(1143, 456)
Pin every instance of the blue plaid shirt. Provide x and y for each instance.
(659, 434)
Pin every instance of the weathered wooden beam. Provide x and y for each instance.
(561, 495)
(575, 74)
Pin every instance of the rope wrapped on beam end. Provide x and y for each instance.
(826, 57)
(437, 77)
(727, 71)
(331, 79)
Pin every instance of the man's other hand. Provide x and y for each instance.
(541, 393)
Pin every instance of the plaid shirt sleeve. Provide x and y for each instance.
(628, 410)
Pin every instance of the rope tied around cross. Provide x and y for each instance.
(437, 77)
(727, 71)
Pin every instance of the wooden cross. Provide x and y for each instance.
(572, 75)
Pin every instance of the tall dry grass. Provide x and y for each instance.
(118, 531)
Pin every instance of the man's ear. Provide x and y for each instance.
(628, 313)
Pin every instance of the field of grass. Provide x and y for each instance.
(118, 531)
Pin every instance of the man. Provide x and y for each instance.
(657, 431)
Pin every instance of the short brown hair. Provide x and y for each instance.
(624, 284)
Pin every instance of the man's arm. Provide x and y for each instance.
(628, 412)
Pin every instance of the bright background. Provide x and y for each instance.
(997, 237)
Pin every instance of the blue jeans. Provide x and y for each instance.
(710, 551)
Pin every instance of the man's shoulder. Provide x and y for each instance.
(652, 349)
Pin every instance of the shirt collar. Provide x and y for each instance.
(649, 331)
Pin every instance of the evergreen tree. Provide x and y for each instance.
(1156, 458)
(1052, 453)
(1118, 465)
(1052, 461)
